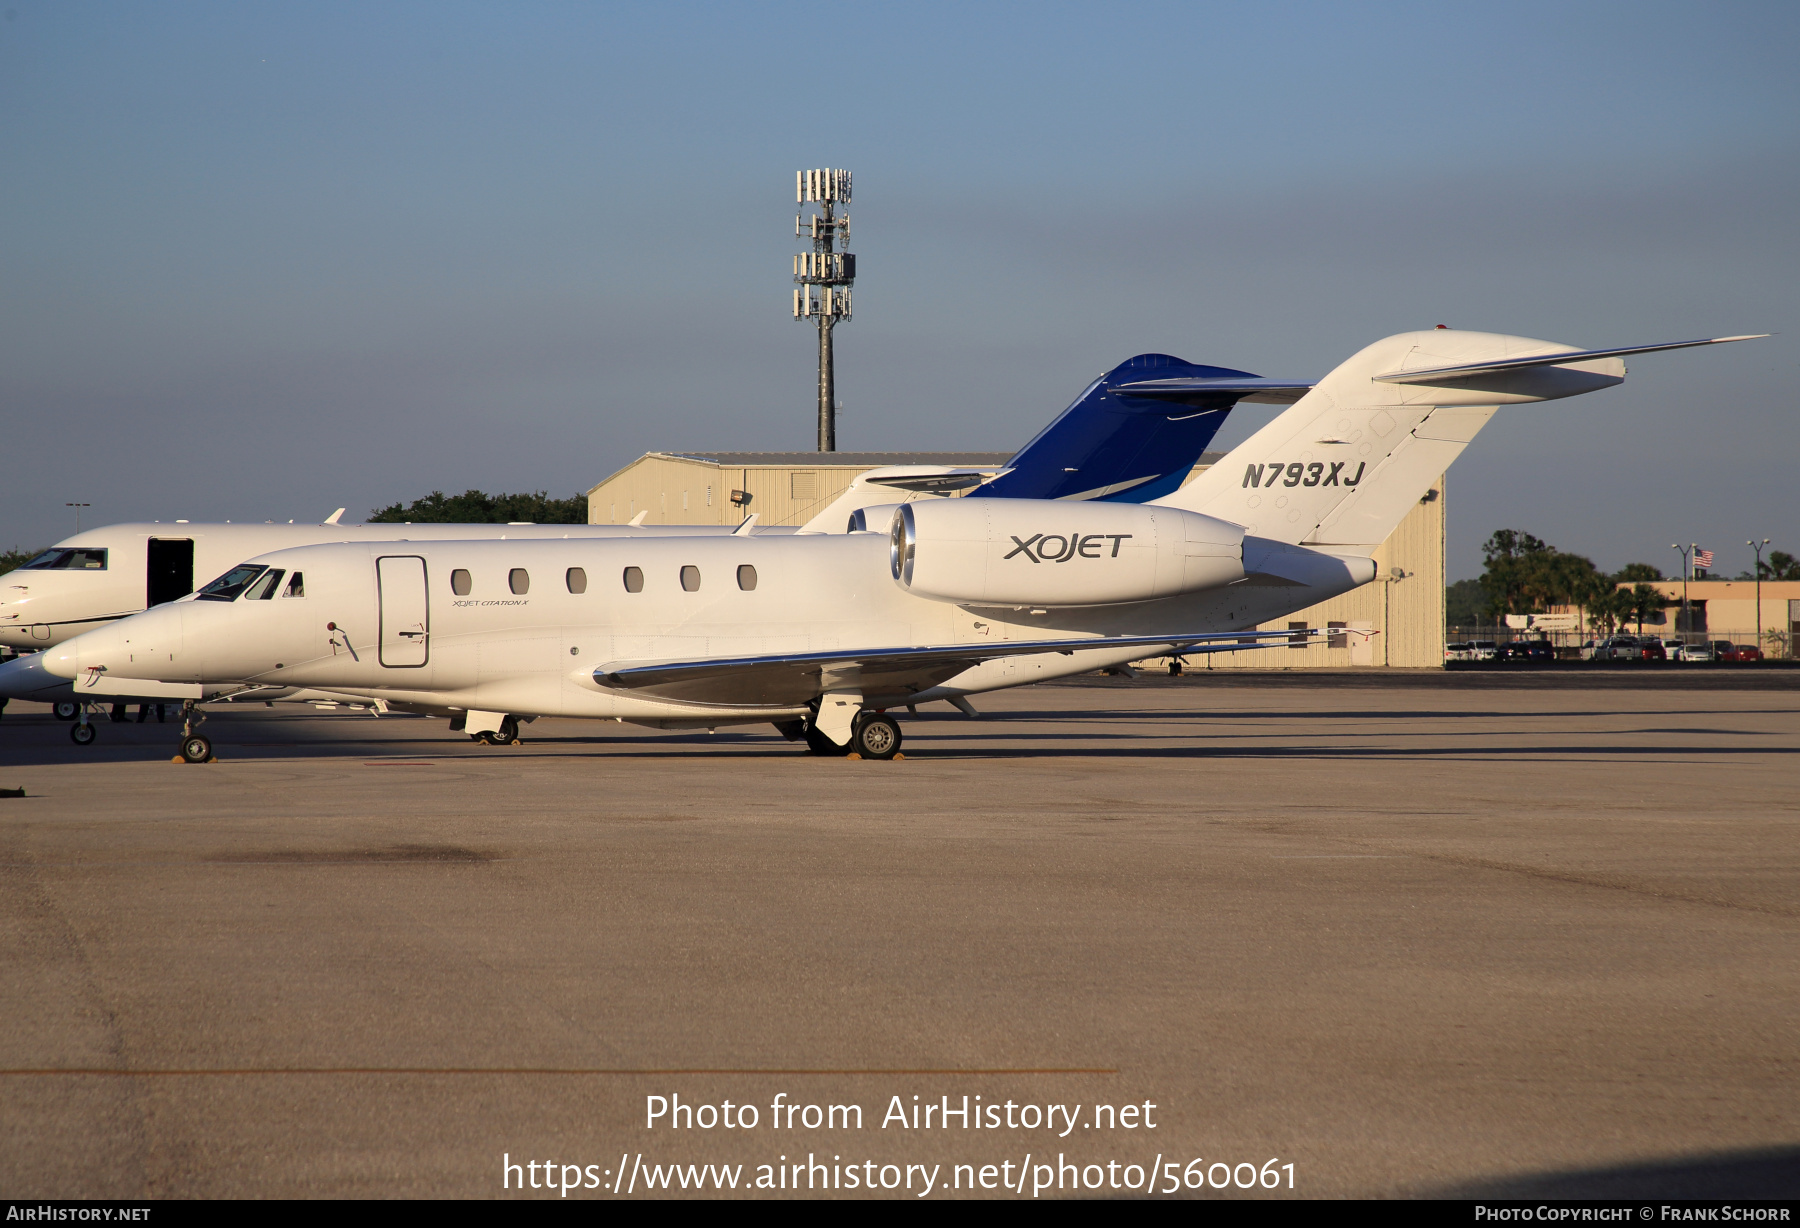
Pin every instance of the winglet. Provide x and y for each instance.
(743, 530)
(637, 521)
(333, 518)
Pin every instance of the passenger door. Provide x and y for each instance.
(405, 611)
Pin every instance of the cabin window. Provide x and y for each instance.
(296, 586)
(519, 581)
(68, 560)
(460, 584)
(576, 579)
(634, 579)
(264, 588)
(747, 578)
(690, 578)
(228, 586)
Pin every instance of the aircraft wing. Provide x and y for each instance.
(890, 674)
(1210, 391)
(1435, 375)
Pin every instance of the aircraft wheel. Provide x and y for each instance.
(876, 737)
(67, 710)
(506, 735)
(83, 734)
(196, 748)
(819, 744)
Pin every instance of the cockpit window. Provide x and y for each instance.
(296, 586)
(65, 559)
(264, 588)
(228, 586)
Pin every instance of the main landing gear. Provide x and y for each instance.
(506, 735)
(874, 735)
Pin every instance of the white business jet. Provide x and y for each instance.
(823, 635)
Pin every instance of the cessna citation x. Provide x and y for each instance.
(1132, 434)
(824, 635)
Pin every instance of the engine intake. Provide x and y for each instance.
(1044, 553)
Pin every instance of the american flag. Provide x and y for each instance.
(1702, 559)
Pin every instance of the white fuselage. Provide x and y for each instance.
(536, 652)
(41, 608)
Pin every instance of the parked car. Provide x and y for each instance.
(1653, 649)
(1483, 650)
(1456, 652)
(1673, 649)
(1740, 653)
(1698, 654)
(1529, 650)
(1587, 650)
(1619, 648)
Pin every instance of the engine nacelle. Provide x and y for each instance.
(1043, 553)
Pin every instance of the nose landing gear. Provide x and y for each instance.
(195, 747)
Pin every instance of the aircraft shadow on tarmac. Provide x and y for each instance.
(1766, 1173)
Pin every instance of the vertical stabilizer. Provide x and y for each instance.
(1342, 467)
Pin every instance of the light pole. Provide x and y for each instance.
(1758, 547)
(1687, 616)
(78, 507)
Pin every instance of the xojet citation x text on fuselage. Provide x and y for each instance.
(821, 634)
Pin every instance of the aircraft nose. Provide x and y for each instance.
(142, 646)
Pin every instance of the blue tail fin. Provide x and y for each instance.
(1127, 445)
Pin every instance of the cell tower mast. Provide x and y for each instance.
(823, 276)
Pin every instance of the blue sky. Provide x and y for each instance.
(261, 260)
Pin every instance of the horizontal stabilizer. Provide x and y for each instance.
(1208, 391)
(934, 481)
(1435, 375)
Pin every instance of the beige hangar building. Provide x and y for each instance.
(1403, 608)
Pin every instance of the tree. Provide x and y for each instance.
(16, 558)
(1637, 573)
(1780, 565)
(478, 507)
(1643, 601)
(1512, 558)
(1462, 601)
(1609, 607)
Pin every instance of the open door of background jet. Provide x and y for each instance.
(169, 570)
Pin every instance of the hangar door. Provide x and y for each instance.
(405, 611)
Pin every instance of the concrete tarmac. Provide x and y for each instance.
(1408, 940)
